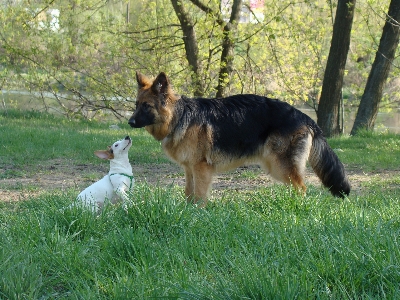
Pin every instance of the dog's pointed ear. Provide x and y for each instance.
(104, 154)
(142, 80)
(160, 84)
(160, 87)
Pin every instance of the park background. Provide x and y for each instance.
(79, 58)
(67, 71)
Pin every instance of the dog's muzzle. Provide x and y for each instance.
(131, 122)
(129, 139)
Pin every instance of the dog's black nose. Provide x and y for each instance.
(131, 122)
(127, 137)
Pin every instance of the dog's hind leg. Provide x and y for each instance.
(287, 163)
(286, 172)
(300, 147)
(295, 179)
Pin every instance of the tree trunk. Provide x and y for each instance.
(368, 109)
(328, 108)
(228, 47)
(191, 46)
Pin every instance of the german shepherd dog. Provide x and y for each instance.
(208, 136)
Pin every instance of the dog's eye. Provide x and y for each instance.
(146, 106)
(116, 145)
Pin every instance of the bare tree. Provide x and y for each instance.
(369, 105)
(328, 108)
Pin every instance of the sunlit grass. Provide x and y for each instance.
(266, 243)
(31, 138)
(369, 151)
(274, 245)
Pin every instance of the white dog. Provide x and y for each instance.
(118, 183)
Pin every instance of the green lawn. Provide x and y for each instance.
(267, 243)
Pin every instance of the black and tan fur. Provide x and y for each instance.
(208, 136)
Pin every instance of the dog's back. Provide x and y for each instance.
(240, 124)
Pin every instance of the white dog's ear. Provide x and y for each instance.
(104, 154)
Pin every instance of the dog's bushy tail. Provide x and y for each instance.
(328, 167)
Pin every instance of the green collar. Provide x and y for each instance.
(129, 176)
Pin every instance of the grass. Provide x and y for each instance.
(279, 247)
(267, 243)
(31, 138)
(382, 153)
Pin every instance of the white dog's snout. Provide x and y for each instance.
(127, 138)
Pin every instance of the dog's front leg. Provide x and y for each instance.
(189, 183)
(122, 194)
(203, 173)
(122, 187)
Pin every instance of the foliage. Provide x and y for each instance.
(87, 65)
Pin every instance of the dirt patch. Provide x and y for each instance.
(61, 175)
